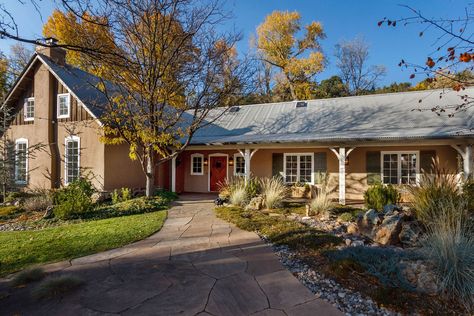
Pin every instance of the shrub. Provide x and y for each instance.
(124, 194)
(28, 276)
(321, 203)
(238, 195)
(273, 191)
(55, 286)
(74, 199)
(252, 188)
(468, 193)
(39, 202)
(346, 217)
(15, 196)
(433, 187)
(449, 245)
(379, 195)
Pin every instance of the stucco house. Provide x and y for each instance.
(357, 140)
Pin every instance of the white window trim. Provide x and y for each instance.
(399, 164)
(202, 165)
(66, 140)
(25, 104)
(298, 166)
(235, 165)
(68, 95)
(21, 141)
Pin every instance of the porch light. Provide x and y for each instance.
(205, 161)
(231, 161)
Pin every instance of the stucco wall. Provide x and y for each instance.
(120, 170)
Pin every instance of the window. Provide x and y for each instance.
(197, 161)
(239, 165)
(400, 167)
(29, 109)
(298, 168)
(72, 159)
(21, 161)
(63, 105)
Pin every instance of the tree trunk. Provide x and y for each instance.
(150, 175)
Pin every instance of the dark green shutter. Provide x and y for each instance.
(277, 165)
(320, 167)
(426, 160)
(373, 168)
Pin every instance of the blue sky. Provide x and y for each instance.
(341, 19)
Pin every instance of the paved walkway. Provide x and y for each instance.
(196, 265)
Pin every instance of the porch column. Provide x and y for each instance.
(467, 157)
(247, 154)
(342, 155)
(173, 174)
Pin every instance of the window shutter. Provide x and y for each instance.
(373, 168)
(426, 160)
(277, 165)
(320, 167)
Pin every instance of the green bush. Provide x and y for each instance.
(346, 217)
(252, 188)
(124, 194)
(468, 193)
(379, 195)
(74, 199)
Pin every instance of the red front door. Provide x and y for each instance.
(218, 169)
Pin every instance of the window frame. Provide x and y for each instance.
(238, 174)
(68, 95)
(192, 164)
(399, 163)
(71, 138)
(25, 111)
(285, 155)
(17, 142)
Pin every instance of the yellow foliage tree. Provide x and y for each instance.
(298, 60)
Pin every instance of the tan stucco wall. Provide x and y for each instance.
(120, 170)
(356, 176)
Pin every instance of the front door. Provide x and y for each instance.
(218, 170)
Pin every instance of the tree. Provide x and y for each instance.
(20, 55)
(352, 61)
(331, 88)
(170, 69)
(453, 53)
(396, 87)
(298, 60)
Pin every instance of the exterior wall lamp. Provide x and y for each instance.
(231, 161)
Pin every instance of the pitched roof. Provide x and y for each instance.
(392, 116)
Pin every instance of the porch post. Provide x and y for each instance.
(342, 156)
(247, 154)
(173, 174)
(467, 157)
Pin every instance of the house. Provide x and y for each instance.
(358, 141)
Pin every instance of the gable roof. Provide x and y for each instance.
(392, 116)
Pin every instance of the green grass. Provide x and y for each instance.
(20, 249)
(279, 230)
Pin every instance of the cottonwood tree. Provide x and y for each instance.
(19, 56)
(297, 60)
(352, 59)
(453, 53)
(169, 68)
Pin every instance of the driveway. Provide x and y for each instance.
(196, 265)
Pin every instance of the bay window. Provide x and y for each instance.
(400, 167)
(298, 168)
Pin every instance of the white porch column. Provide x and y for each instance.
(173, 174)
(342, 155)
(247, 154)
(467, 157)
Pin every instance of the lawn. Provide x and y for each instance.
(20, 249)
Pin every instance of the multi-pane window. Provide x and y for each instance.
(239, 168)
(72, 159)
(197, 164)
(63, 105)
(298, 168)
(29, 109)
(399, 167)
(21, 161)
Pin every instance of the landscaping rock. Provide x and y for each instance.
(48, 213)
(255, 204)
(357, 243)
(372, 217)
(387, 233)
(410, 233)
(390, 208)
(352, 229)
(420, 276)
(367, 222)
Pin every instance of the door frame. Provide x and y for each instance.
(210, 165)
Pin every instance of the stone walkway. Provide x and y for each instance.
(196, 265)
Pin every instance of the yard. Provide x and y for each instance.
(29, 237)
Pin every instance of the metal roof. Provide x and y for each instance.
(392, 116)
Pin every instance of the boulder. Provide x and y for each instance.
(48, 213)
(390, 208)
(420, 276)
(387, 233)
(371, 216)
(410, 233)
(367, 222)
(352, 229)
(255, 204)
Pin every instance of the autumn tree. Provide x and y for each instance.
(453, 53)
(352, 59)
(171, 68)
(332, 87)
(296, 58)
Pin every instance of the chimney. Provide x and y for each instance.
(50, 49)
